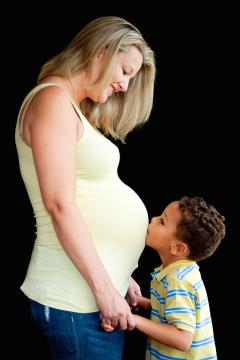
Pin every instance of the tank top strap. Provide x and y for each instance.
(79, 113)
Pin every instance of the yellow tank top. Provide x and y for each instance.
(115, 215)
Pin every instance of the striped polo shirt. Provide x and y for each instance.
(179, 298)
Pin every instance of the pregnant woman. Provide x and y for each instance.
(91, 227)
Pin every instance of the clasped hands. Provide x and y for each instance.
(125, 320)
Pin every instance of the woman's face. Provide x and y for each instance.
(125, 67)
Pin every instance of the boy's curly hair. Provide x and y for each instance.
(201, 227)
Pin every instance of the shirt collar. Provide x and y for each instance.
(159, 273)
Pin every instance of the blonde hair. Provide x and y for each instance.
(122, 112)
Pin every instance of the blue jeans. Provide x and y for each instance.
(77, 336)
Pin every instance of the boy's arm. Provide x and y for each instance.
(165, 333)
(144, 303)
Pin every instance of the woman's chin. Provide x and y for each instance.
(102, 99)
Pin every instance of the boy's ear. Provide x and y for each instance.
(179, 249)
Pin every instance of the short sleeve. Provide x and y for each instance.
(180, 305)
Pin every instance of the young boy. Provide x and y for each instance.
(180, 327)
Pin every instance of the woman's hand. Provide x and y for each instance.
(109, 328)
(115, 310)
(106, 327)
(134, 290)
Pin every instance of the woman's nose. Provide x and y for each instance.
(120, 86)
(123, 86)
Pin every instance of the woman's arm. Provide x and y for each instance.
(53, 140)
(165, 333)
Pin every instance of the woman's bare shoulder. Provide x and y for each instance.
(50, 106)
(48, 102)
(50, 95)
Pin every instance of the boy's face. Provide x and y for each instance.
(162, 229)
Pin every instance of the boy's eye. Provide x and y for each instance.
(161, 221)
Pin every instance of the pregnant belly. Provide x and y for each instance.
(117, 220)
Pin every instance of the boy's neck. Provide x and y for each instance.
(171, 259)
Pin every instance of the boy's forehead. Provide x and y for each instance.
(172, 205)
(172, 211)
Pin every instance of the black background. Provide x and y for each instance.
(188, 147)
